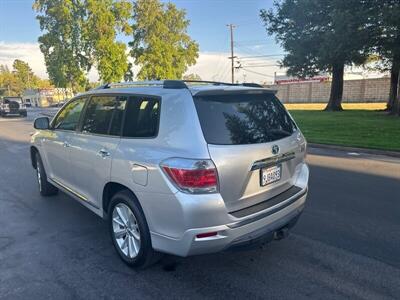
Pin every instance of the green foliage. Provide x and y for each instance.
(65, 52)
(24, 76)
(8, 82)
(161, 45)
(106, 18)
(128, 76)
(322, 36)
(387, 22)
(387, 14)
(317, 34)
(15, 82)
(80, 34)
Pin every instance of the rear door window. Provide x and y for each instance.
(98, 114)
(142, 116)
(116, 123)
(243, 118)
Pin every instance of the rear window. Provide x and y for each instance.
(233, 119)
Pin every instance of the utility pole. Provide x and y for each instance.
(232, 57)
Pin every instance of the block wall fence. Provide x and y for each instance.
(363, 90)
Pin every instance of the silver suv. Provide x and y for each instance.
(177, 167)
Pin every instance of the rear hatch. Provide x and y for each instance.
(253, 142)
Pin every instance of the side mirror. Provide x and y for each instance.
(41, 123)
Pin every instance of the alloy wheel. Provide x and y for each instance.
(126, 230)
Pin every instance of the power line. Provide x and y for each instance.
(257, 73)
(250, 50)
(256, 56)
(258, 66)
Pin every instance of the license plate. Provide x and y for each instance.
(270, 175)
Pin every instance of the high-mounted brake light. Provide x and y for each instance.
(192, 176)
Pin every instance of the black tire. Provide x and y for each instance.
(146, 255)
(45, 188)
(24, 115)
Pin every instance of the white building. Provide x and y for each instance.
(46, 97)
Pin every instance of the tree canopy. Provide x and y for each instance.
(13, 83)
(387, 22)
(322, 36)
(65, 51)
(161, 45)
(81, 33)
(106, 18)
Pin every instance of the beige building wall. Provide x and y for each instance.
(362, 90)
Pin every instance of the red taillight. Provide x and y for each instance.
(193, 176)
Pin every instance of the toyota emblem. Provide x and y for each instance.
(275, 149)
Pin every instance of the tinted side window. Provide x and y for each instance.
(98, 114)
(142, 117)
(68, 118)
(116, 123)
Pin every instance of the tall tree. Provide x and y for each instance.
(24, 73)
(80, 34)
(8, 82)
(388, 46)
(24, 77)
(322, 36)
(65, 51)
(105, 19)
(161, 45)
(15, 82)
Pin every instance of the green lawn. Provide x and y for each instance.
(356, 128)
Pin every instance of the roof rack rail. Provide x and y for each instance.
(171, 84)
(210, 82)
(250, 84)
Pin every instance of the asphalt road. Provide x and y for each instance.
(346, 244)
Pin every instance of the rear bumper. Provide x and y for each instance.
(13, 112)
(234, 231)
(228, 236)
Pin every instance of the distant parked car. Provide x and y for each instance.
(12, 106)
(28, 103)
(176, 168)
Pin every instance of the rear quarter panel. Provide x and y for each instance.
(179, 135)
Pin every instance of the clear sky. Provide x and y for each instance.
(19, 31)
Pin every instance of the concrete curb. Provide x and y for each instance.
(354, 149)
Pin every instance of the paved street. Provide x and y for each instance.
(346, 245)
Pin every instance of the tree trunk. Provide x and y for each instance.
(335, 98)
(394, 85)
(396, 106)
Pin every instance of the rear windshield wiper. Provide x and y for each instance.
(281, 132)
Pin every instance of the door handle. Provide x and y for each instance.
(66, 144)
(103, 153)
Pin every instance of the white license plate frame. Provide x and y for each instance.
(270, 175)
